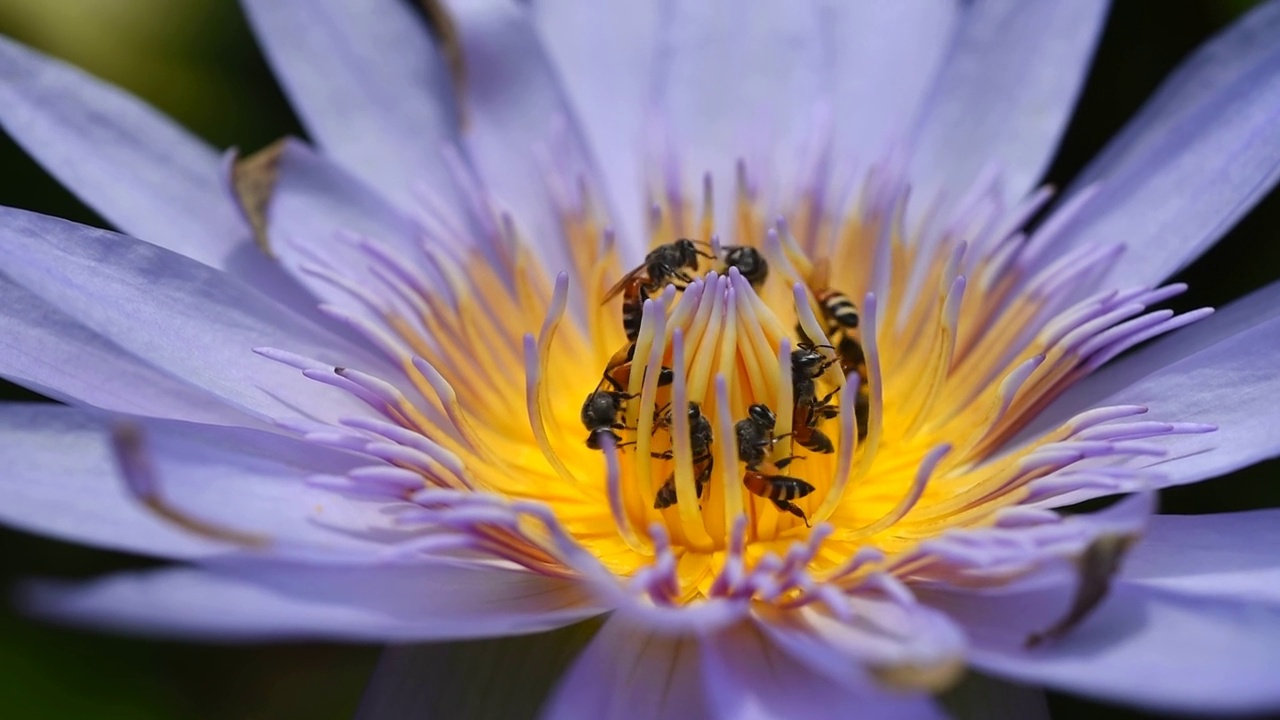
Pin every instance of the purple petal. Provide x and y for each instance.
(254, 600)
(604, 54)
(886, 57)
(135, 167)
(749, 677)
(739, 80)
(48, 351)
(628, 672)
(457, 680)
(1229, 555)
(1147, 648)
(1001, 551)
(517, 112)
(1006, 90)
(368, 84)
(1221, 371)
(1200, 153)
(179, 316)
(62, 479)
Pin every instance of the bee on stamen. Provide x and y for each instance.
(755, 437)
(807, 365)
(841, 320)
(602, 416)
(663, 264)
(617, 372)
(749, 261)
(780, 489)
(700, 439)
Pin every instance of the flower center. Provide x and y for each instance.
(823, 392)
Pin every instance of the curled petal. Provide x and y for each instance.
(749, 676)
(1149, 648)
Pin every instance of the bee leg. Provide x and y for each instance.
(787, 506)
(826, 412)
(665, 455)
(783, 462)
(819, 442)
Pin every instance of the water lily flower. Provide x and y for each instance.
(349, 387)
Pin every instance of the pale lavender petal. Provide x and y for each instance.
(750, 678)
(506, 677)
(1145, 647)
(1220, 371)
(630, 673)
(369, 85)
(62, 479)
(1005, 93)
(248, 599)
(46, 350)
(886, 56)
(177, 315)
(1195, 159)
(522, 137)
(143, 173)
(739, 80)
(1228, 555)
(604, 53)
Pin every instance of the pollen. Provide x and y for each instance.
(812, 393)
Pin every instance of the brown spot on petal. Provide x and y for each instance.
(445, 29)
(935, 677)
(254, 181)
(1097, 565)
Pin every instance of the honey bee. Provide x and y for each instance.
(807, 365)
(601, 415)
(840, 318)
(780, 489)
(700, 439)
(749, 262)
(804, 426)
(672, 261)
(617, 372)
(755, 437)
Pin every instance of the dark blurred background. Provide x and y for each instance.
(196, 61)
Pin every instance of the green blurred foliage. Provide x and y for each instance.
(196, 61)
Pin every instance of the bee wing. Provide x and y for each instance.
(621, 285)
(820, 276)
